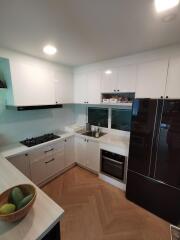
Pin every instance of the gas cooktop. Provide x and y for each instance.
(30, 142)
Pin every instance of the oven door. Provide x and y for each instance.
(112, 167)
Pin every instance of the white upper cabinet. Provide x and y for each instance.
(93, 87)
(63, 87)
(127, 76)
(122, 79)
(173, 80)
(87, 87)
(151, 79)
(31, 84)
(80, 88)
(109, 81)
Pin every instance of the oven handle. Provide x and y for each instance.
(112, 160)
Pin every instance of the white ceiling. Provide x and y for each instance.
(84, 31)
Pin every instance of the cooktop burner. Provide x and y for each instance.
(29, 142)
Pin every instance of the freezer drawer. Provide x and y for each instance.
(158, 198)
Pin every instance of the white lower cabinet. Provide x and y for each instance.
(93, 155)
(69, 158)
(21, 162)
(87, 153)
(46, 162)
(80, 150)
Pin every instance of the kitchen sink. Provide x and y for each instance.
(92, 134)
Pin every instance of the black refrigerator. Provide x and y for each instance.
(153, 178)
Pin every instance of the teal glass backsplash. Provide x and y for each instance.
(15, 126)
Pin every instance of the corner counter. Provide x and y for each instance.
(44, 215)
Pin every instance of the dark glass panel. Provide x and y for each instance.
(98, 117)
(121, 119)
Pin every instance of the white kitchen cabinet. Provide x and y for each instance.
(55, 162)
(173, 80)
(80, 88)
(32, 84)
(21, 162)
(80, 150)
(87, 88)
(93, 87)
(93, 155)
(69, 151)
(46, 162)
(151, 79)
(63, 87)
(127, 76)
(88, 153)
(109, 81)
(37, 164)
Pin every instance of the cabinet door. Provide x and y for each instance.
(21, 162)
(69, 151)
(94, 82)
(109, 81)
(32, 84)
(80, 88)
(127, 76)
(93, 155)
(56, 163)
(38, 166)
(151, 79)
(63, 87)
(80, 145)
(173, 81)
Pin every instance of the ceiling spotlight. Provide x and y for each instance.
(108, 72)
(50, 50)
(165, 5)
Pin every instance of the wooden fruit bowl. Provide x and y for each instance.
(21, 213)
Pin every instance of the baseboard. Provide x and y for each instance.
(113, 182)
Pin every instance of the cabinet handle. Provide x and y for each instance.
(49, 150)
(26, 154)
(65, 140)
(161, 96)
(166, 96)
(118, 90)
(114, 90)
(50, 160)
(87, 140)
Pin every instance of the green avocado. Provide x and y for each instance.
(7, 208)
(25, 201)
(16, 195)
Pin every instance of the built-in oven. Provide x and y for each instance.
(112, 164)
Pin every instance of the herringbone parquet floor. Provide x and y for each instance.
(95, 210)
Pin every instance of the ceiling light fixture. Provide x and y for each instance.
(50, 50)
(108, 72)
(165, 5)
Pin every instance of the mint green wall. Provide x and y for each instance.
(15, 126)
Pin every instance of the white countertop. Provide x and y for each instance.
(118, 143)
(18, 148)
(42, 217)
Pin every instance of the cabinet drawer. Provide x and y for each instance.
(59, 147)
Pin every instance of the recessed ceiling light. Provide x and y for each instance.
(164, 5)
(108, 72)
(49, 50)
